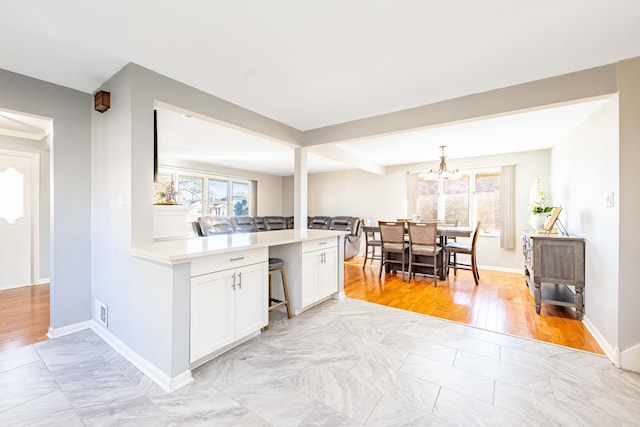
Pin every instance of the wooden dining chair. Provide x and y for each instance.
(450, 223)
(392, 242)
(423, 248)
(371, 243)
(457, 249)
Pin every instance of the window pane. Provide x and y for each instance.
(456, 201)
(217, 197)
(488, 205)
(190, 188)
(240, 191)
(427, 199)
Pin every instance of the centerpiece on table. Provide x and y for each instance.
(537, 206)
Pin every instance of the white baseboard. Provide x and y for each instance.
(166, 382)
(338, 295)
(53, 333)
(44, 281)
(630, 358)
(613, 353)
(502, 269)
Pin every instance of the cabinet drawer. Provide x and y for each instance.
(218, 262)
(314, 245)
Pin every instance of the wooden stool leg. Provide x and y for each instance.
(286, 292)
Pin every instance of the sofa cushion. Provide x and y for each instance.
(260, 223)
(319, 222)
(243, 223)
(275, 222)
(215, 225)
(345, 223)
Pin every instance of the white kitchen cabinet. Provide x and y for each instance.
(206, 314)
(212, 313)
(319, 274)
(227, 305)
(314, 271)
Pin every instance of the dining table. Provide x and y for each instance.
(444, 232)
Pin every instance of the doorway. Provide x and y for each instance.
(19, 248)
(24, 228)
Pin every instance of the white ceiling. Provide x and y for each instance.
(315, 63)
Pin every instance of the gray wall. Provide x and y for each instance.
(71, 111)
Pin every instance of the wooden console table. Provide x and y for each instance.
(553, 263)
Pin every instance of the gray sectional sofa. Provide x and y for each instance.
(210, 225)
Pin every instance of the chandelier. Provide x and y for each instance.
(442, 172)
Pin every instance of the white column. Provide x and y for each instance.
(300, 189)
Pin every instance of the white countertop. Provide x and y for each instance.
(183, 250)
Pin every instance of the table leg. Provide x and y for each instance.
(537, 296)
(579, 302)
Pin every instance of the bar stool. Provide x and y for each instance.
(277, 265)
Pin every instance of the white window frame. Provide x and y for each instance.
(473, 216)
(176, 172)
(472, 200)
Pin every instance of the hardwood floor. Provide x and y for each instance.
(24, 316)
(501, 302)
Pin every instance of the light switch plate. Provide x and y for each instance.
(608, 200)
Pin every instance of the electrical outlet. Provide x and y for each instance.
(102, 313)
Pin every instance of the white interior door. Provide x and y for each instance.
(16, 221)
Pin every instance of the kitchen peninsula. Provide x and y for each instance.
(215, 290)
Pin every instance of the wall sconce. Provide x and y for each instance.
(101, 101)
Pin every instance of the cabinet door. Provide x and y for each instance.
(310, 286)
(329, 273)
(251, 299)
(212, 313)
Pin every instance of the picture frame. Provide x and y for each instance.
(551, 220)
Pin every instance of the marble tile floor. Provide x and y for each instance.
(345, 362)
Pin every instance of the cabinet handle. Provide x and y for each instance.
(240, 280)
(233, 281)
(323, 243)
(236, 258)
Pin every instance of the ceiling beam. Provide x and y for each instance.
(572, 87)
(343, 156)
